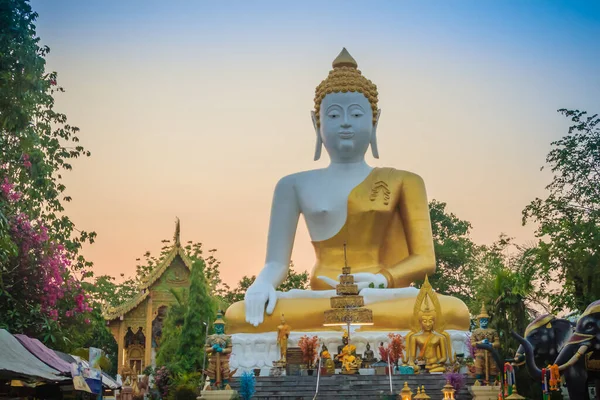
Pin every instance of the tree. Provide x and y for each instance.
(293, 280)
(169, 341)
(40, 291)
(200, 308)
(568, 220)
(455, 253)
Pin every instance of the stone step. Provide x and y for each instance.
(348, 387)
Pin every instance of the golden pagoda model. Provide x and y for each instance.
(347, 308)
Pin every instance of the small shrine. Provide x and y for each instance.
(137, 324)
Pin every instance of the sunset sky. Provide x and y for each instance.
(195, 109)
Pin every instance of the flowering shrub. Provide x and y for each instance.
(162, 380)
(456, 379)
(38, 278)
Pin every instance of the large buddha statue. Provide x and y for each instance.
(381, 214)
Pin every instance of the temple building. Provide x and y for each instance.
(137, 324)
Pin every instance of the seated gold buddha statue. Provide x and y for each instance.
(381, 214)
(427, 347)
(350, 361)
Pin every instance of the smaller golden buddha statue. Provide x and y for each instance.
(326, 361)
(348, 358)
(283, 334)
(428, 348)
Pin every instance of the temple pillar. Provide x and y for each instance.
(121, 345)
(148, 349)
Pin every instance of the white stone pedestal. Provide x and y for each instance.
(259, 350)
(484, 392)
(217, 395)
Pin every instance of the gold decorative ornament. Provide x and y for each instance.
(483, 313)
(448, 391)
(515, 395)
(345, 77)
(406, 393)
(347, 307)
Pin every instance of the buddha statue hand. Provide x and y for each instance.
(361, 279)
(257, 295)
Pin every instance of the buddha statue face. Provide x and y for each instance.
(368, 346)
(427, 322)
(346, 126)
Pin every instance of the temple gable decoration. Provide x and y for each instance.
(137, 324)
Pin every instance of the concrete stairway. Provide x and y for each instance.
(348, 387)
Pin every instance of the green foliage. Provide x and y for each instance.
(171, 332)
(30, 126)
(568, 219)
(455, 254)
(36, 146)
(200, 309)
(293, 280)
(104, 292)
(509, 287)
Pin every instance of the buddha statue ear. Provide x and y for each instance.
(319, 144)
(374, 149)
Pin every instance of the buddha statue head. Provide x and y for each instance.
(346, 114)
(345, 338)
(219, 324)
(427, 317)
(483, 317)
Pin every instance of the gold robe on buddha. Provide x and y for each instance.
(387, 231)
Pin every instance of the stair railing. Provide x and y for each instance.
(390, 372)
(318, 379)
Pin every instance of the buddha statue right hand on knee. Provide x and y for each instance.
(259, 294)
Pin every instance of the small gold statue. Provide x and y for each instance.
(428, 348)
(485, 367)
(350, 361)
(283, 334)
(326, 360)
(218, 347)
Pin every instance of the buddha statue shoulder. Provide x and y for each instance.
(381, 214)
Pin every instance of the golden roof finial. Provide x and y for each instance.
(483, 313)
(344, 59)
(176, 237)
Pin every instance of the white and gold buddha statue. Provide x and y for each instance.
(381, 213)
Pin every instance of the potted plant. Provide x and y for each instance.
(395, 349)
(384, 353)
(308, 346)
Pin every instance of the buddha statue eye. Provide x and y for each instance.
(357, 114)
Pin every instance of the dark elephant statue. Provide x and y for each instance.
(579, 359)
(547, 336)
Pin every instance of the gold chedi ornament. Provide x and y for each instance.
(347, 308)
(448, 391)
(406, 393)
(515, 395)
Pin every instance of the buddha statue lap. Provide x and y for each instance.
(381, 214)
